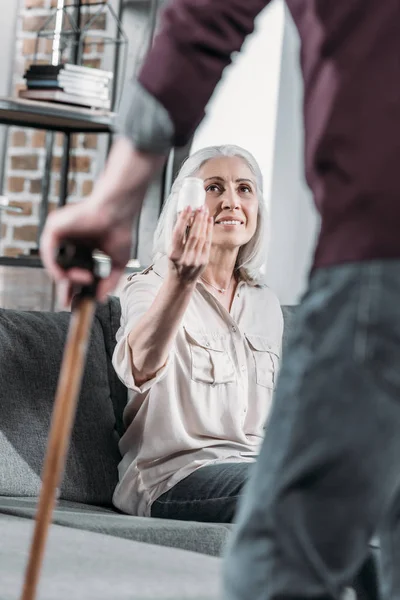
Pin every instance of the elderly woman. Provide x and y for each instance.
(198, 348)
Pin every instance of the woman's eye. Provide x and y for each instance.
(212, 188)
(245, 188)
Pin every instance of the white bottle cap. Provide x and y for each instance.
(192, 193)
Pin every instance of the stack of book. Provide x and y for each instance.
(70, 84)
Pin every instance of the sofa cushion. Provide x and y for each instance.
(31, 347)
(206, 538)
(109, 316)
(90, 566)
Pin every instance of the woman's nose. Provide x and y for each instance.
(230, 200)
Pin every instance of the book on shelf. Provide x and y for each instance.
(46, 70)
(84, 81)
(72, 84)
(95, 82)
(70, 88)
(57, 95)
(65, 81)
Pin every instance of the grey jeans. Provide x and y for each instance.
(328, 476)
(210, 494)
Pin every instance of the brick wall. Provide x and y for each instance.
(25, 158)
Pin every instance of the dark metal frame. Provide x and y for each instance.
(78, 33)
(77, 52)
(119, 41)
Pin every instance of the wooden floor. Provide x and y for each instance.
(25, 289)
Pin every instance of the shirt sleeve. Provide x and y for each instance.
(194, 44)
(136, 299)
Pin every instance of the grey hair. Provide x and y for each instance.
(253, 255)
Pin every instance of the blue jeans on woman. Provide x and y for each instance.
(328, 475)
(210, 494)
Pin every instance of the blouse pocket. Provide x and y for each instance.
(266, 359)
(210, 361)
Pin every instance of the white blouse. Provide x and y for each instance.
(210, 402)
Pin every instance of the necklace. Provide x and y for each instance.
(220, 290)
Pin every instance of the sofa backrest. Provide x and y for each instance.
(31, 347)
(109, 316)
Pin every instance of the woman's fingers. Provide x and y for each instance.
(202, 239)
(189, 254)
(196, 229)
(209, 228)
(179, 232)
(194, 245)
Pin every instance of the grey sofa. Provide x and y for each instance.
(93, 550)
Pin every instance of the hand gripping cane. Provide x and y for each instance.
(66, 400)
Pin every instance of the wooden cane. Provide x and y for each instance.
(66, 400)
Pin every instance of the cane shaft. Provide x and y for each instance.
(68, 388)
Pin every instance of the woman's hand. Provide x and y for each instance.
(191, 243)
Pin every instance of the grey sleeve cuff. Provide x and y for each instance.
(143, 120)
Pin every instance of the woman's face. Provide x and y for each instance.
(231, 199)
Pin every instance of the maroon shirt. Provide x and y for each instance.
(350, 59)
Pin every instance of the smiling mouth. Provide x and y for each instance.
(231, 222)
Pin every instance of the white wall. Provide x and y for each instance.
(258, 105)
(243, 109)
